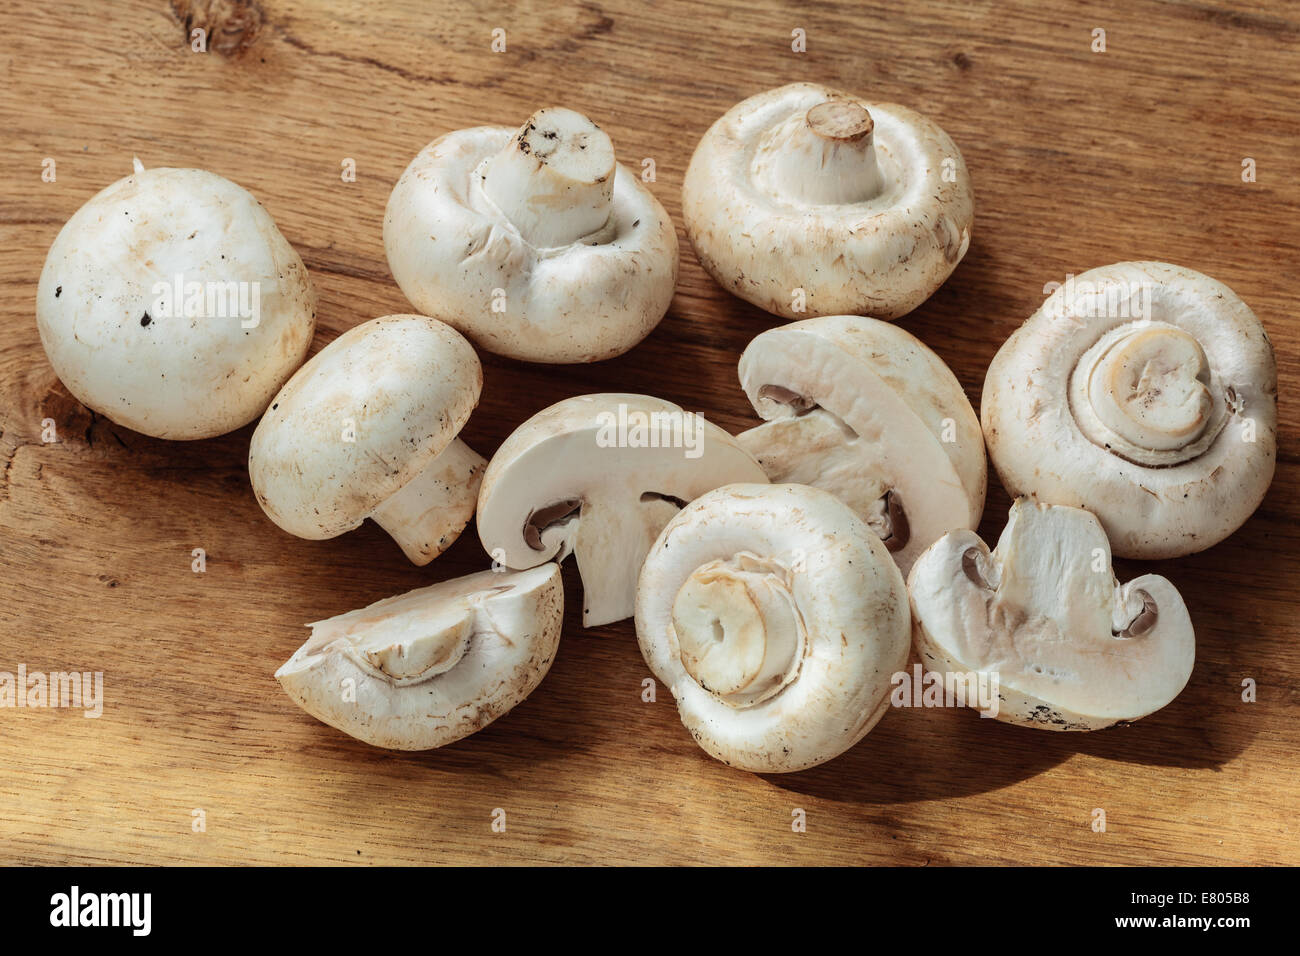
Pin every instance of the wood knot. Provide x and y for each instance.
(230, 27)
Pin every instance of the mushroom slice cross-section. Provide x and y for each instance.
(862, 409)
(777, 619)
(367, 429)
(431, 666)
(599, 476)
(1070, 648)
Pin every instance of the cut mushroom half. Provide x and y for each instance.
(367, 429)
(777, 619)
(431, 666)
(1146, 393)
(862, 409)
(534, 242)
(807, 201)
(1043, 618)
(599, 476)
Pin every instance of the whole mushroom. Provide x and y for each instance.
(807, 201)
(171, 304)
(367, 429)
(1146, 393)
(862, 409)
(1070, 648)
(535, 243)
(777, 619)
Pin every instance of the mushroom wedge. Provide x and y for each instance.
(599, 476)
(862, 409)
(777, 619)
(1043, 616)
(431, 666)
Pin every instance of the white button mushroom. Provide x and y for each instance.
(599, 476)
(367, 429)
(536, 244)
(431, 666)
(777, 620)
(1070, 647)
(807, 201)
(172, 304)
(1146, 393)
(862, 409)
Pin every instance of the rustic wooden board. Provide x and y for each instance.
(1078, 158)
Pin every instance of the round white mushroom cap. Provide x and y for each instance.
(171, 304)
(431, 666)
(865, 208)
(1146, 393)
(862, 409)
(367, 429)
(1071, 649)
(535, 243)
(777, 619)
(599, 476)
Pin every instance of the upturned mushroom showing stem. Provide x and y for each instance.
(827, 156)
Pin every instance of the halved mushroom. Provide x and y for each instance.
(534, 243)
(865, 207)
(1146, 393)
(777, 619)
(1070, 648)
(599, 476)
(367, 429)
(862, 409)
(431, 666)
(171, 303)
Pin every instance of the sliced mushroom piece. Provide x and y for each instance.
(1069, 647)
(599, 476)
(1145, 392)
(862, 409)
(777, 619)
(431, 666)
(367, 429)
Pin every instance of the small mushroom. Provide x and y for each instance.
(777, 619)
(807, 201)
(367, 429)
(534, 243)
(1069, 647)
(862, 409)
(171, 304)
(431, 666)
(1146, 393)
(599, 476)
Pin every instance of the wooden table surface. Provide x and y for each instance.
(1079, 158)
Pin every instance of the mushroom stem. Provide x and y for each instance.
(824, 157)
(428, 513)
(554, 180)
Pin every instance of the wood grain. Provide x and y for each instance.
(1078, 158)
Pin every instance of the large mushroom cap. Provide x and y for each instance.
(171, 303)
(372, 413)
(1146, 393)
(862, 409)
(599, 476)
(535, 243)
(1070, 647)
(866, 207)
(434, 665)
(777, 619)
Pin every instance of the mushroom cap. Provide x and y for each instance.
(565, 482)
(863, 408)
(431, 666)
(407, 383)
(1168, 368)
(160, 371)
(1071, 647)
(881, 256)
(847, 597)
(454, 254)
